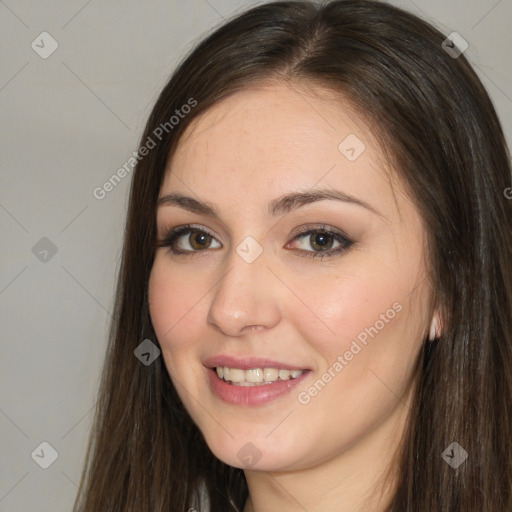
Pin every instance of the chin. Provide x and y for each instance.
(255, 452)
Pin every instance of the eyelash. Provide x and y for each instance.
(173, 235)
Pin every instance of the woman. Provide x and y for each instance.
(316, 278)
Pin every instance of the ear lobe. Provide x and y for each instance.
(435, 327)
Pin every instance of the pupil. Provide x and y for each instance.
(321, 241)
(199, 239)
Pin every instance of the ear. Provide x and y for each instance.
(436, 326)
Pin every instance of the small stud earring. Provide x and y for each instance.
(433, 334)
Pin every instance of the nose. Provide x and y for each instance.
(246, 299)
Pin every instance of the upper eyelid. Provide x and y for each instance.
(300, 232)
(182, 230)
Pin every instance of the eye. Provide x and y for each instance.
(187, 239)
(190, 239)
(323, 239)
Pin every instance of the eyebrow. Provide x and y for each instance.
(279, 206)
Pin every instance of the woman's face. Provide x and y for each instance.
(276, 178)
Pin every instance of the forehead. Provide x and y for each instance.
(280, 117)
(266, 141)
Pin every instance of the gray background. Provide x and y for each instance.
(68, 123)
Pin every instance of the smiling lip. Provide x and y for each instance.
(250, 395)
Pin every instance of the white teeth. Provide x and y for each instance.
(270, 374)
(284, 374)
(236, 375)
(255, 376)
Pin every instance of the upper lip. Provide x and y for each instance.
(247, 363)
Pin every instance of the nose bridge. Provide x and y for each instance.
(245, 295)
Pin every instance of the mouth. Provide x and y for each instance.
(252, 381)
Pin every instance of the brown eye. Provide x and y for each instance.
(188, 239)
(321, 241)
(199, 240)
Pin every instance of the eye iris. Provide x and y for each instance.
(321, 241)
(201, 239)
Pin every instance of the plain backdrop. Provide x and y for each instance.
(68, 122)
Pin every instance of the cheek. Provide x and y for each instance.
(366, 360)
(347, 307)
(365, 330)
(174, 304)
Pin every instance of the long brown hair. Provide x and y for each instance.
(439, 127)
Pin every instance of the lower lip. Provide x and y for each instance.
(252, 395)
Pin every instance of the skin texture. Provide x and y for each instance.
(245, 151)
